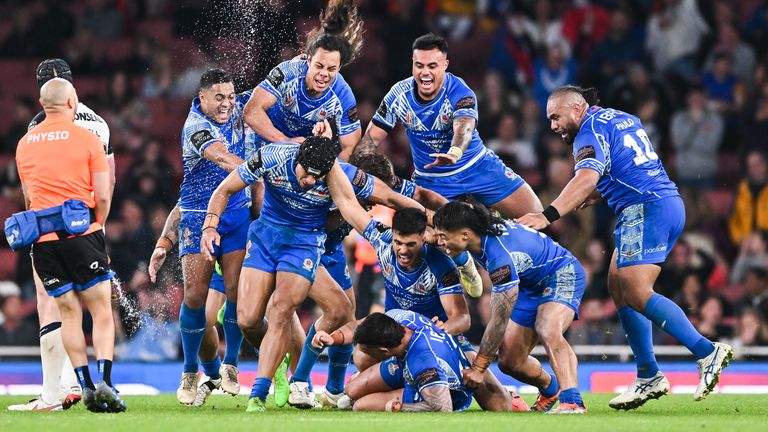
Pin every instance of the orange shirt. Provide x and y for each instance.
(55, 161)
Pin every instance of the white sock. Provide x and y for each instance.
(53, 357)
(68, 377)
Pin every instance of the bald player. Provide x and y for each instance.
(65, 179)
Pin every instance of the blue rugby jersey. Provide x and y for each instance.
(520, 255)
(614, 144)
(431, 348)
(416, 290)
(201, 176)
(430, 125)
(285, 202)
(295, 113)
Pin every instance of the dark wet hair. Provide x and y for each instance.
(375, 164)
(409, 220)
(49, 69)
(431, 41)
(589, 94)
(317, 155)
(457, 215)
(340, 30)
(212, 77)
(379, 330)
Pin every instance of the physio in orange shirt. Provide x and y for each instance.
(59, 161)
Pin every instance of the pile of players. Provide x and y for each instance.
(276, 177)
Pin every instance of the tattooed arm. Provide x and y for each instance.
(371, 139)
(463, 127)
(434, 391)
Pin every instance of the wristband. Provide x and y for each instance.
(208, 227)
(481, 362)
(551, 214)
(164, 242)
(456, 151)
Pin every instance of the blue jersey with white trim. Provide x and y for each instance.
(429, 125)
(417, 290)
(430, 349)
(520, 255)
(295, 112)
(201, 176)
(614, 144)
(285, 202)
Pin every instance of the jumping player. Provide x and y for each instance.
(614, 155)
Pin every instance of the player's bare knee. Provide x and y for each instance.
(512, 361)
(549, 332)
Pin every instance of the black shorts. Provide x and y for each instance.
(73, 263)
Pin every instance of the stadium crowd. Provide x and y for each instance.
(695, 73)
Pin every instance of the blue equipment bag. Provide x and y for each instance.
(24, 228)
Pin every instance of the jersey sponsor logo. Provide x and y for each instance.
(352, 114)
(276, 77)
(86, 116)
(586, 152)
(501, 275)
(428, 376)
(359, 179)
(465, 103)
(254, 162)
(200, 137)
(382, 110)
(451, 278)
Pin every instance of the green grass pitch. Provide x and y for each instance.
(719, 412)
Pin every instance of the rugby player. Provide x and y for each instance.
(212, 146)
(615, 160)
(439, 112)
(285, 243)
(60, 387)
(537, 288)
(65, 179)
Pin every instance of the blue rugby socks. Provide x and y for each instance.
(232, 333)
(637, 329)
(571, 395)
(309, 355)
(192, 325)
(551, 389)
(260, 388)
(668, 315)
(211, 368)
(105, 369)
(338, 360)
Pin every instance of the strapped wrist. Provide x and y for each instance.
(481, 362)
(456, 151)
(164, 242)
(338, 337)
(551, 214)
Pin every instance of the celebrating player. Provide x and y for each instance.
(286, 242)
(299, 93)
(213, 145)
(614, 154)
(439, 113)
(549, 282)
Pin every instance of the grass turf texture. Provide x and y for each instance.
(718, 412)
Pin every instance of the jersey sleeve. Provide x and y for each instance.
(201, 134)
(589, 147)
(349, 121)
(362, 183)
(263, 160)
(277, 77)
(423, 366)
(463, 100)
(98, 158)
(36, 120)
(378, 235)
(404, 187)
(385, 116)
(501, 268)
(444, 269)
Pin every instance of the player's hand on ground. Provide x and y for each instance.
(441, 159)
(322, 339)
(536, 221)
(156, 262)
(438, 323)
(472, 377)
(393, 405)
(210, 238)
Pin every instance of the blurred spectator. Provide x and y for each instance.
(585, 24)
(674, 35)
(404, 22)
(756, 28)
(574, 230)
(454, 18)
(23, 111)
(595, 262)
(622, 46)
(159, 81)
(153, 164)
(750, 211)
(751, 329)
(692, 293)
(593, 326)
(545, 27)
(119, 93)
(188, 82)
(140, 58)
(684, 260)
(743, 56)
(637, 86)
(725, 91)
(507, 144)
(756, 284)
(102, 18)
(131, 241)
(710, 323)
(556, 69)
(754, 126)
(696, 133)
(86, 56)
(752, 253)
(22, 38)
(14, 329)
(512, 53)
(493, 102)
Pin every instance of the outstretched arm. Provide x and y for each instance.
(435, 398)
(456, 309)
(429, 199)
(463, 127)
(165, 243)
(257, 118)
(574, 194)
(216, 205)
(384, 195)
(346, 201)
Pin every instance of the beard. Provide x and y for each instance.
(571, 135)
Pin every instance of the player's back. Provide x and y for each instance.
(533, 254)
(615, 144)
